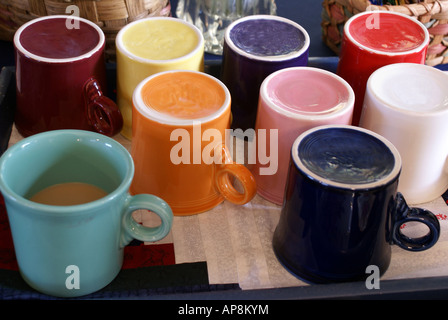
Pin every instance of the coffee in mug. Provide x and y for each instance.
(68, 193)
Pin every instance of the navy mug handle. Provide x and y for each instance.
(404, 214)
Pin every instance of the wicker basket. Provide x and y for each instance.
(109, 15)
(432, 13)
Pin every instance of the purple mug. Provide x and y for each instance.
(254, 47)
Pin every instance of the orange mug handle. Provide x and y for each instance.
(225, 170)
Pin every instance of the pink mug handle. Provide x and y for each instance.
(102, 113)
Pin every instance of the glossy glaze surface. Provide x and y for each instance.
(51, 38)
(292, 101)
(184, 160)
(357, 61)
(50, 238)
(55, 93)
(243, 72)
(133, 69)
(267, 37)
(330, 231)
(413, 117)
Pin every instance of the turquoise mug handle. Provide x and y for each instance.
(133, 230)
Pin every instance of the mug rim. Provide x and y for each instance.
(389, 68)
(154, 115)
(72, 134)
(34, 56)
(120, 45)
(308, 115)
(386, 53)
(284, 57)
(393, 174)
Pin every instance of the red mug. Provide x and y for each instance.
(61, 76)
(372, 40)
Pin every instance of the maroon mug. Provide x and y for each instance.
(61, 76)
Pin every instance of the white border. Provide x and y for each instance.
(152, 114)
(392, 175)
(120, 45)
(380, 52)
(292, 55)
(307, 115)
(19, 46)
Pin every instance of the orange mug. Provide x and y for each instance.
(180, 122)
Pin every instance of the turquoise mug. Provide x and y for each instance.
(74, 250)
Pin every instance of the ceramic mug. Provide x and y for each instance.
(372, 39)
(342, 211)
(61, 76)
(73, 250)
(293, 100)
(413, 116)
(148, 46)
(254, 47)
(179, 129)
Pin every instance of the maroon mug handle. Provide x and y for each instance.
(102, 113)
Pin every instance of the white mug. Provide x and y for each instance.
(407, 103)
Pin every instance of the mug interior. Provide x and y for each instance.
(59, 38)
(346, 157)
(62, 156)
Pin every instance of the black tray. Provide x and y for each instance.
(417, 288)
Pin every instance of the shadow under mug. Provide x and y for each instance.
(61, 76)
(342, 211)
(89, 237)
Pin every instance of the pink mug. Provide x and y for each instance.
(61, 76)
(293, 100)
(373, 39)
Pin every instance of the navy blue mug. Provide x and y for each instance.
(342, 211)
(254, 47)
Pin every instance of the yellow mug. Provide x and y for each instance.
(180, 123)
(148, 46)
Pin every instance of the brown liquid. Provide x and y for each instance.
(67, 194)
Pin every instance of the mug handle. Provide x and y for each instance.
(102, 113)
(227, 168)
(133, 230)
(403, 214)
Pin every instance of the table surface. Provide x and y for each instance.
(236, 241)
